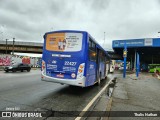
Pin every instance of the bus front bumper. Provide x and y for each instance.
(74, 82)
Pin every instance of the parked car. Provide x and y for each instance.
(18, 67)
(122, 67)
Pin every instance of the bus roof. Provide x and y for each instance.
(67, 31)
(98, 45)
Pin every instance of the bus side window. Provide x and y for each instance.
(92, 55)
(102, 57)
(90, 44)
(92, 50)
(93, 46)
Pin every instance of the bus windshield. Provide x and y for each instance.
(64, 42)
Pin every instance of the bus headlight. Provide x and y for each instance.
(80, 72)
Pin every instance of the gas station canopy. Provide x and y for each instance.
(148, 49)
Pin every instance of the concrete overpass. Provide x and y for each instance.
(34, 47)
(19, 46)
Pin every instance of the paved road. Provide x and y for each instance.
(26, 91)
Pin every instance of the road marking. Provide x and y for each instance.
(93, 100)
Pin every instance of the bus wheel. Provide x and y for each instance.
(99, 80)
(14, 70)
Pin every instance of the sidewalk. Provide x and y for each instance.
(136, 94)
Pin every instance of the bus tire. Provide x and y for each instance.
(14, 70)
(99, 80)
(28, 70)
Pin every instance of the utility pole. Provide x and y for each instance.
(6, 45)
(13, 46)
(125, 58)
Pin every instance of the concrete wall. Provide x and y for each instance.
(6, 60)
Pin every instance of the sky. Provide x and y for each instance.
(105, 20)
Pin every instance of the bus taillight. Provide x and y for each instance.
(81, 66)
(80, 71)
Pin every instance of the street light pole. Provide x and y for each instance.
(125, 58)
(13, 46)
(6, 45)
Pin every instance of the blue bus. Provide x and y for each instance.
(74, 58)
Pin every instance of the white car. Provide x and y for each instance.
(122, 67)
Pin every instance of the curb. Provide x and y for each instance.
(95, 105)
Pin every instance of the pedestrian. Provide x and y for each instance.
(64, 44)
(59, 44)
